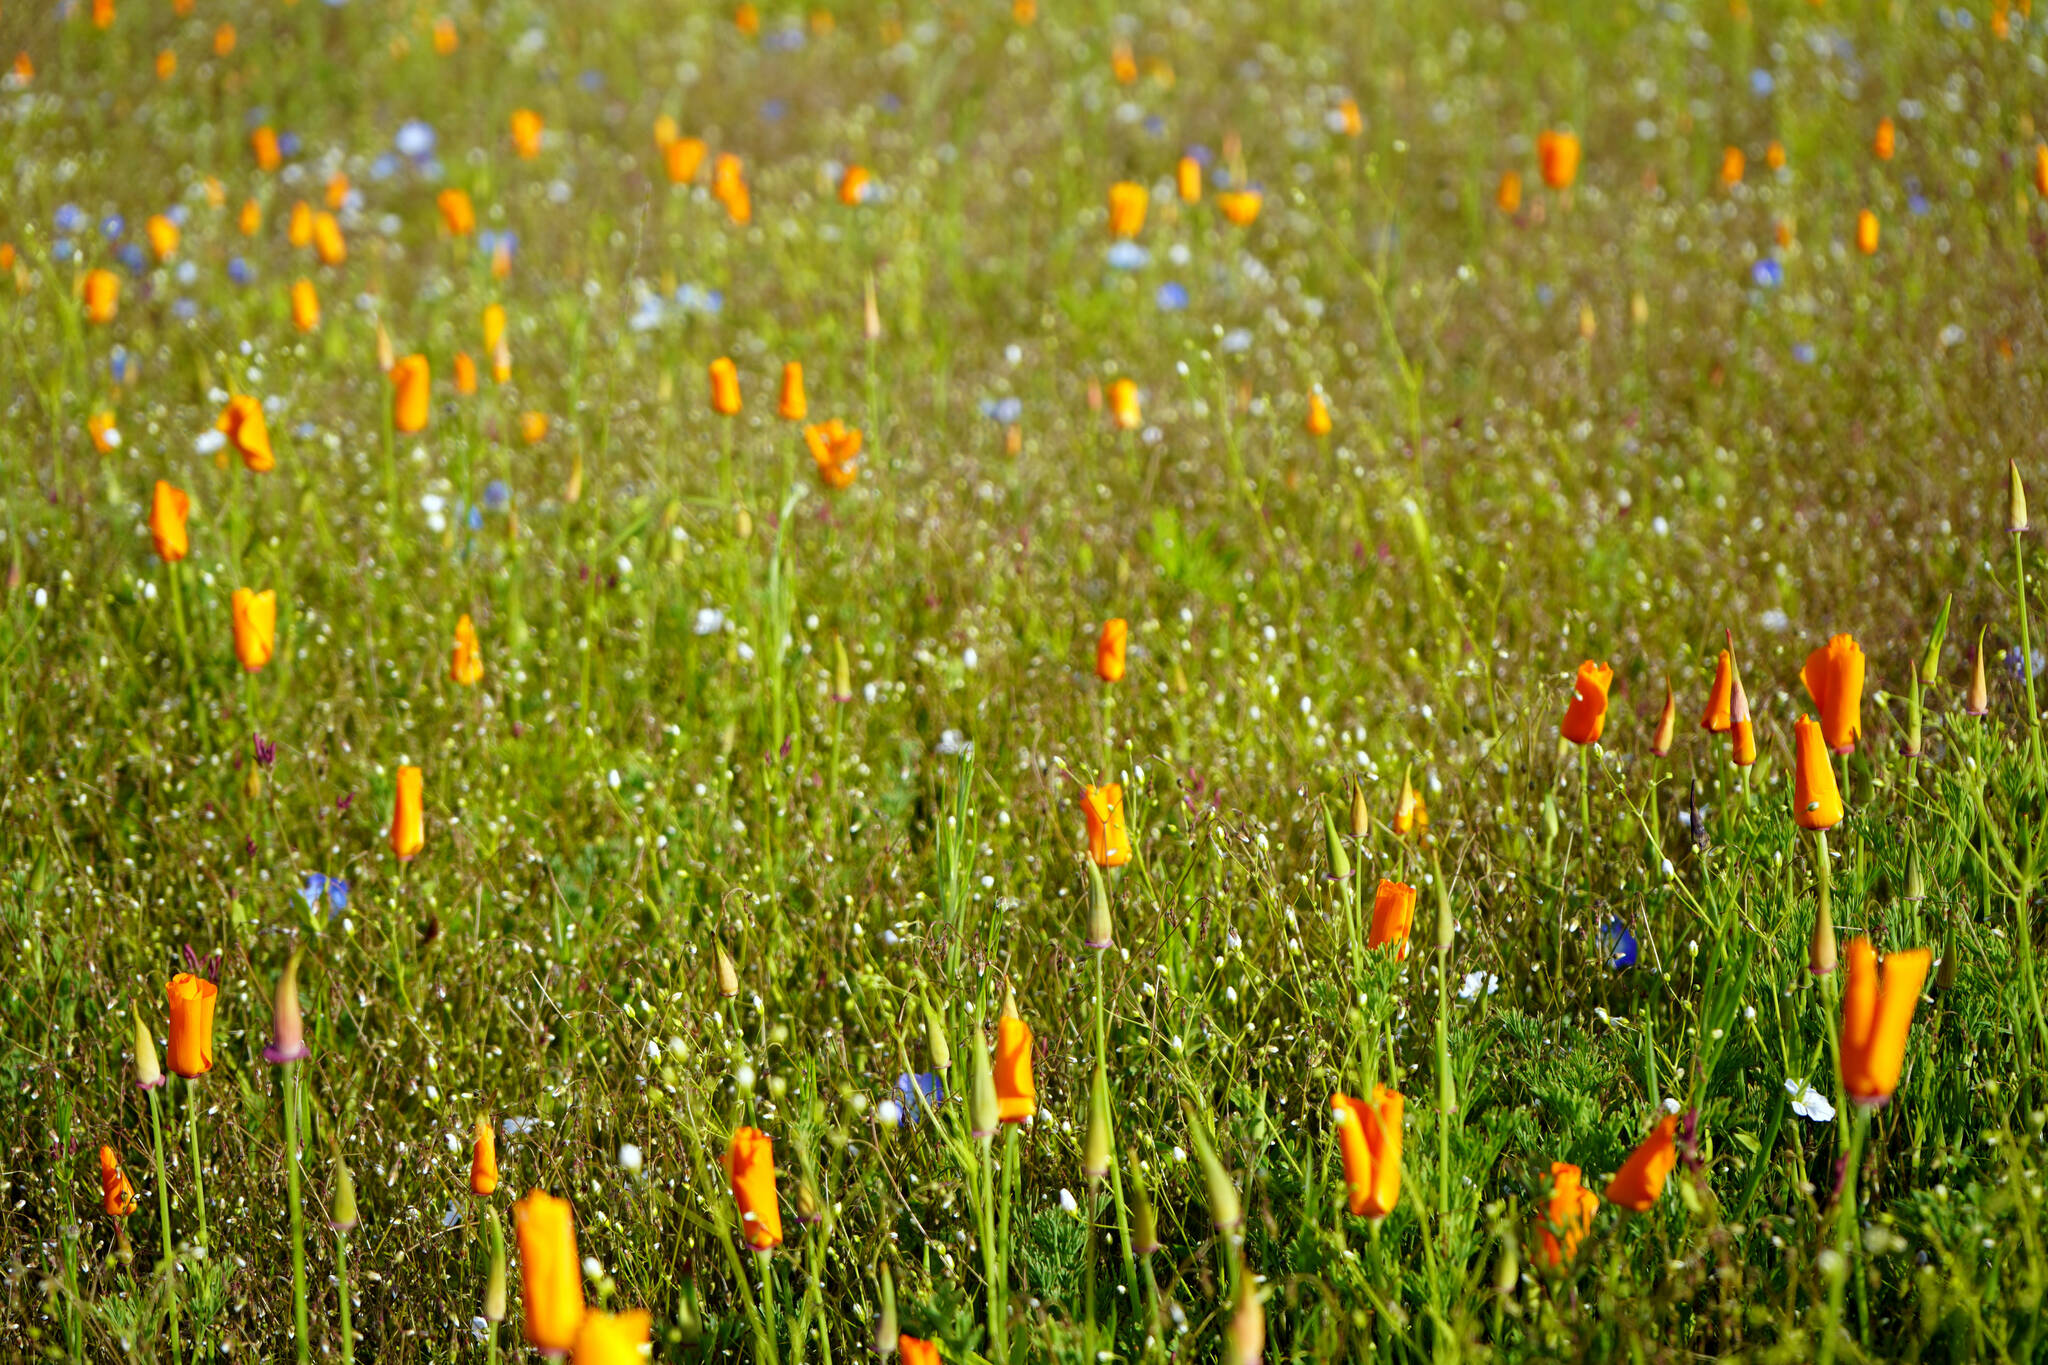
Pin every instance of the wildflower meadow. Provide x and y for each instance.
(1022, 681)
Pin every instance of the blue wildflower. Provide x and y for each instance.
(112, 226)
(1767, 273)
(238, 270)
(1172, 297)
(132, 256)
(69, 218)
(1003, 410)
(314, 889)
(288, 144)
(337, 896)
(773, 108)
(1761, 82)
(925, 1084)
(1619, 945)
(1128, 256)
(1803, 352)
(415, 139)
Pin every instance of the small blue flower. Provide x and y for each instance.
(476, 518)
(69, 218)
(184, 310)
(1544, 294)
(887, 102)
(788, 38)
(112, 226)
(772, 109)
(1155, 125)
(238, 270)
(1767, 273)
(314, 889)
(62, 250)
(1916, 204)
(415, 139)
(1171, 297)
(2012, 661)
(926, 1084)
(384, 167)
(337, 896)
(1803, 352)
(1619, 945)
(591, 81)
(497, 495)
(1128, 256)
(1761, 82)
(178, 214)
(288, 144)
(1003, 410)
(1200, 155)
(122, 366)
(132, 256)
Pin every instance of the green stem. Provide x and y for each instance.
(2019, 559)
(768, 1347)
(163, 1213)
(999, 1345)
(291, 1172)
(198, 1173)
(348, 1336)
(1116, 1177)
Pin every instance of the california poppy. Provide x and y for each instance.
(612, 1338)
(298, 224)
(412, 380)
(1557, 155)
(493, 325)
(483, 1160)
(192, 1000)
(533, 427)
(255, 621)
(1586, 717)
(1349, 121)
(682, 158)
(250, 220)
(287, 1025)
(1108, 843)
(466, 669)
(1109, 649)
(162, 234)
(1410, 814)
(1667, 724)
(305, 305)
(1569, 1214)
(1187, 181)
(2041, 168)
(1717, 719)
(242, 420)
(1318, 415)
(750, 1166)
(408, 819)
(1977, 701)
(458, 214)
(102, 295)
(1834, 679)
(1123, 405)
(1876, 1014)
(834, 447)
(224, 45)
(1732, 162)
(853, 186)
(1866, 233)
(549, 1273)
(725, 387)
(446, 38)
(1774, 156)
(1641, 1178)
(263, 142)
(1507, 196)
(328, 243)
(1369, 1136)
(1393, 914)
(337, 191)
(117, 1196)
(1127, 201)
(1741, 733)
(1016, 1093)
(104, 431)
(465, 374)
(909, 1349)
(1816, 801)
(167, 512)
(1241, 207)
(526, 131)
(1886, 140)
(793, 406)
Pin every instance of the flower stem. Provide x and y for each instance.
(291, 1173)
(198, 1174)
(348, 1336)
(163, 1213)
(2019, 559)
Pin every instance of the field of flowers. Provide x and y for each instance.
(1008, 681)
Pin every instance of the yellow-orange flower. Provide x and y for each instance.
(249, 221)
(612, 1338)
(117, 1196)
(750, 1166)
(224, 45)
(337, 191)
(1241, 207)
(412, 379)
(533, 427)
(465, 373)
(1774, 156)
(192, 1000)
(1393, 915)
(1742, 734)
(408, 816)
(853, 186)
(526, 131)
(102, 295)
(1016, 1093)
(834, 446)
(167, 512)
(1410, 814)
(446, 39)
(1834, 679)
(1187, 179)
(793, 406)
(725, 387)
(1876, 1016)
(1717, 719)
(1123, 405)
(1816, 801)
(1369, 1136)
(1569, 1214)
(328, 242)
(1109, 649)
(494, 326)
(458, 214)
(915, 1350)
(1732, 164)
(1349, 121)
(1866, 233)
(1318, 415)
(162, 234)
(483, 1160)
(2041, 168)
(1667, 724)
(746, 17)
(1886, 140)
(242, 420)
(1127, 201)
(263, 142)
(467, 667)
(683, 158)
(729, 187)
(1557, 156)
(1641, 1178)
(550, 1276)
(102, 13)
(105, 433)
(1109, 844)
(255, 620)
(305, 305)
(298, 224)
(1587, 715)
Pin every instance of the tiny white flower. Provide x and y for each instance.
(889, 1113)
(629, 1157)
(1067, 1201)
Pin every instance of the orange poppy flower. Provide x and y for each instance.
(682, 159)
(1717, 719)
(725, 387)
(915, 1350)
(1569, 1214)
(249, 221)
(1834, 679)
(526, 131)
(167, 512)
(1774, 156)
(162, 234)
(192, 1000)
(412, 380)
(1241, 207)
(494, 326)
(458, 213)
(1127, 202)
(1742, 735)
(1109, 649)
(1641, 1178)
(834, 446)
(1557, 155)
(1732, 163)
(793, 406)
(408, 818)
(533, 427)
(853, 186)
(550, 1275)
(263, 142)
(224, 44)
(117, 1196)
(1586, 717)
(102, 295)
(328, 242)
(1349, 121)
(466, 669)
(1187, 181)
(1393, 915)
(612, 1338)
(1318, 415)
(243, 422)
(465, 373)
(1016, 1093)
(1886, 140)
(254, 615)
(1109, 844)
(305, 305)
(298, 225)
(1876, 1016)
(1866, 233)
(106, 436)
(1508, 197)
(483, 1160)
(1123, 405)
(446, 39)
(1369, 1136)
(750, 1166)
(1816, 800)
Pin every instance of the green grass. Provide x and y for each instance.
(1592, 430)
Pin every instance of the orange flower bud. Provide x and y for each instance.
(1834, 679)
(1127, 201)
(483, 1157)
(1816, 801)
(224, 44)
(106, 435)
(408, 819)
(1569, 1214)
(533, 427)
(1241, 207)
(255, 620)
(1108, 842)
(526, 131)
(1123, 405)
(413, 380)
(2041, 168)
(1508, 197)
(1393, 915)
(102, 295)
(1876, 1017)
(263, 142)
(167, 512)
(1318, 415)
(192, 1000)
(337, 191)
(1742, 735)
(1016, 1093)
(750, 1166)
(467, 667)
(1557, 155)
(298, 228)
(1866, 233)
(793, 407)
(1716, 720)
(328, 243)
(305, 305)
(117, 1196)
(1369, 1136)
(1187, 179)
(1774, 156)
(1886, 140)
(853, 186)
(1667, 724)
(465, 374)
(683, 158)
(915, 1350)
(1586, 717)
(1641, 1178)
(1109, 649)
(446, 39)
(162, 234)
(747, 19)
(458, 214)
(246, 430)
(1349, 121)
(725, 387)
(102, 13)
(550, 1276)
(1410, 814)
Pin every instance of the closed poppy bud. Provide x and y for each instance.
(287, 1028)
(162, 234)
(682, 159)
(1127, 201)
(1410, 814)
(612, 1338)
(1886, 140)
(1101, 923)
(337, 191)
(725, 387)
(750, 1166)
(1016, 1094)
(250, 220)
(466, 669)
(1187, 180)
(728, 975)
(1333, 849)
(1144, 1218)
(2015, 499)
(793, 407)
(1095, 1149)
(298, 226)
(935, 1038)
(1717, 719)
(1774, 156)
(408, 819)
(1731, 167)
(1834, 679)
(1123, 405)
(242, 421)
(148, 1071)
(483, 1160)
(224, 45)
(1318, 415)
(1866, 232)
(870, 312)
(1568, 1214)
(916, 1350)
(1393, 915)
(1641, 1178)
(1241, 207)
(102, 295)
(984, 1113)
(834, 447)
(263, 142)
(117, 1196)
(341, 1206)
(1361, 818)
(1816, 801)
(533, 427)
(1108, 842)
(853, 186)
(1586, 717)
(465, 374)
(167, 512)
(1557, 154)
(1507, 196)
(446, 39)
(550, 1276)
(526, 131)
(842, 672)
(1979, 700)
(1369, 1136)
(1741, 734)
(458, 214)
(1876, 1015)
(412, 381)
(1667, 724)
(255, 620)
(1109, 649)
(305, 305)
(327, 239)
(387, 360)
(494, 1281)
(192, 1000)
